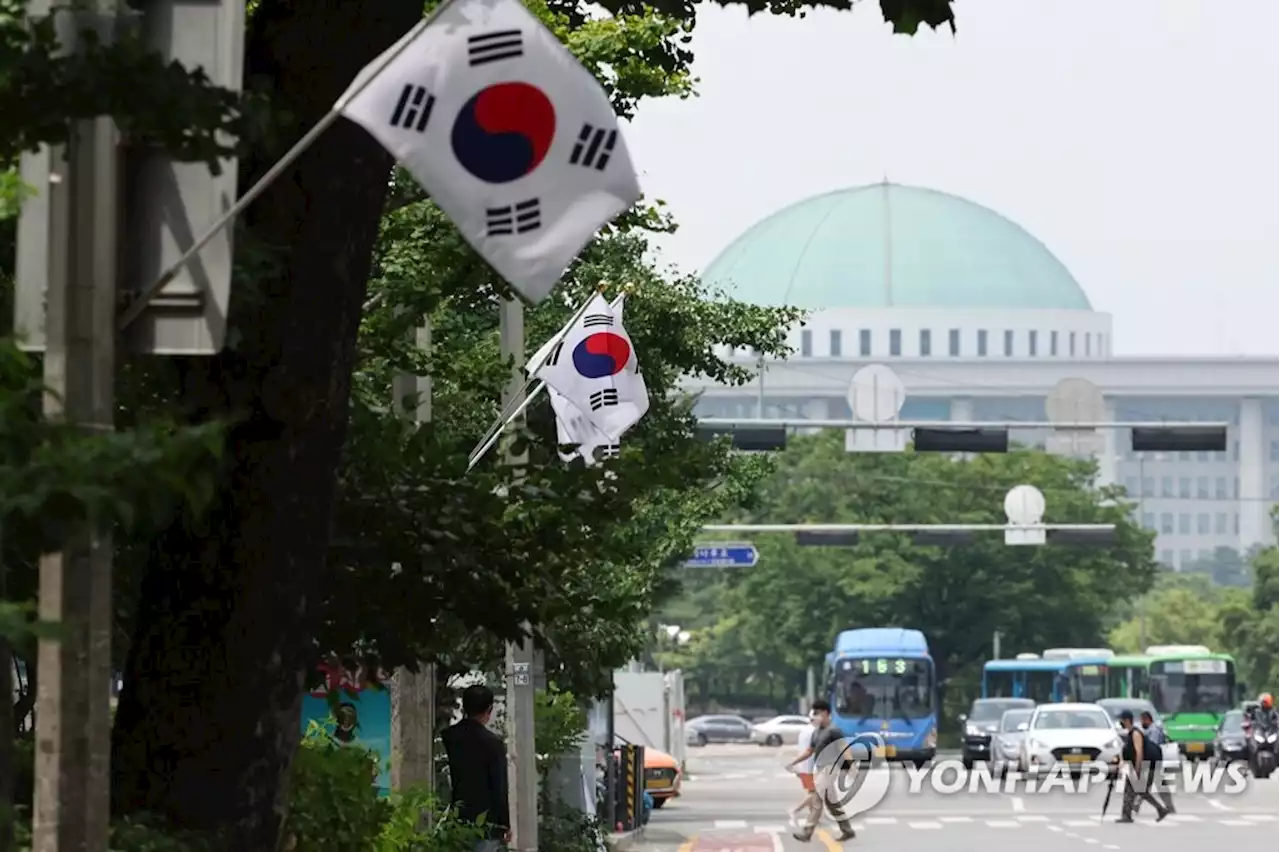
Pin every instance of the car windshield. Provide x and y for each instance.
(1077, 719)
(1013, 718)
(991, 711)
(1233, 721)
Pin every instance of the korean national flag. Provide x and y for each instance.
(514, 140)
(595, 369)
(573, 428)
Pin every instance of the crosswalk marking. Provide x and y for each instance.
(1091, 841)
(1186, 817)
(1236, 823)
(1077, 823)
(881, 820)
(1259, 817)
(926, 824)
(1032, 818)
(1002, 823)
(731, 823)
(955, 819)
(770, 829)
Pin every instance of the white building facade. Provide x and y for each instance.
(980, 321)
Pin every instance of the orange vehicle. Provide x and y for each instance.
(661, 776)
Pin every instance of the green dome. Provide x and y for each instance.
(892, 246)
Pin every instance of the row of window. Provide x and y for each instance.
(1147, 487)
(835, 343)
(1205, 524)
(1185, 559)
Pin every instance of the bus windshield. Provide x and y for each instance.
(884, 688)
(1192, 686)
(1000, 684)
(1089, 682)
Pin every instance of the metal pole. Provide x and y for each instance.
(810, 688)
(995, 645)
(954, 425)
(521, 755)
(413, 697)
(73, 725)
(760, 389)
(835, 528)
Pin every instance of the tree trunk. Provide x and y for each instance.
(208, 721)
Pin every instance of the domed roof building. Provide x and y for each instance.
(980, 321)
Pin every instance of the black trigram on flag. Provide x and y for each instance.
(593, 148)
(494, 47)
(553, 357)
(603, 399)
(514, 219)
(594, 320)
(413, 110)
(610, 451)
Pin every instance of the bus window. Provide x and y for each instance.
(1040, 687)
(1088, 683)
(999, 684)
(1118, 682)
(1139, 683)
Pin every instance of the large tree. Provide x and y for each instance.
(779, 618)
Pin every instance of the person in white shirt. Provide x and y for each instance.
(805, 760)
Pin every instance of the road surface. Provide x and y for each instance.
(736, 799)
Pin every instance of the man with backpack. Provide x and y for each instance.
(1137, 757)
(1156, 736)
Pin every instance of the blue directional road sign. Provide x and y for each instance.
(724, 555)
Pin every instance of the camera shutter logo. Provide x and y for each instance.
(861, 787)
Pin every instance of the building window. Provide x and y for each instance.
(1031, 343)
(1235, 450)
(1184, 487)
(1148, 486)
(1202, 487)
(1166, 486)
(1008, 344)
(953, 342)
(806, 344)
(1053, 344)
(926, 342)
(1184, 558)
(1131, 485)
(835, 343)
(1235, 489)
(864, 342)
(1222, 523)
(895, 342)
(1220, 488)
(1235, 522)
(1071, 344)
(1148, 520)
(1088, 348)
(1166, 557)
(1184, 523)
(1166, 522)
(1202, 523)
(982, 342)
(1275, 450)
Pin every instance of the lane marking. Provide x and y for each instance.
(925, 825)
(1057, 828)
(1214, 803)
(730, 823)
(1032, 818)
(1237, 823)
(955, 819)
(1018, 805)
(1090, 841)
(771, 829)
(1186, 818)
(777, 842)
(1109, 846)
(1001, 823)
(828, 842)
(881, 820)
(1259, 817)
(1079, 823)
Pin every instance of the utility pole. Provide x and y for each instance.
(413, 694)
(995, 645)
(810, 688)
(522, 764)
(74, 221)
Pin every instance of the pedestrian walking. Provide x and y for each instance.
(804, 759)
(1155, 734)
(1135, 759)
(830, 754)
(478, 769)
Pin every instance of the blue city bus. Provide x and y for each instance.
(881, 681)
(1045, 681)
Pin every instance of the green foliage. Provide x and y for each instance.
(559, 725)
(755, 632)
(333, 804)
(563, 829)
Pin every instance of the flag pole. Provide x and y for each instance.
(505, 419)
(366, 76)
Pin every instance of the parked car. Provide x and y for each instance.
(1232, 739)
(1069, 734)
(1006, 742)
(1171, 755)
(780, 730)
(718, 729)
(981, 722)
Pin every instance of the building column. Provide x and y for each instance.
(1108, 461)
(961, 410)
(1252, 470)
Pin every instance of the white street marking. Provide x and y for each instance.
(1018, 805)
(731, 823)
(1214, 803)
(1002, 823)
(955, 819)
(925, 824)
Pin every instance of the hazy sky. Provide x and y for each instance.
(1138, 139)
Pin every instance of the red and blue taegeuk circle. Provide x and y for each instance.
(602, 354)
(504, 132)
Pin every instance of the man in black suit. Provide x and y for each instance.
(478, 768)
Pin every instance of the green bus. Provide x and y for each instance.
(1190, 686)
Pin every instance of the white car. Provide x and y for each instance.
(1077, 737)
(780, 730)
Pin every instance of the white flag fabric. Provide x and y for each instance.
(594, 368)
(537, 359)
(574, 429)
(513, 139)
